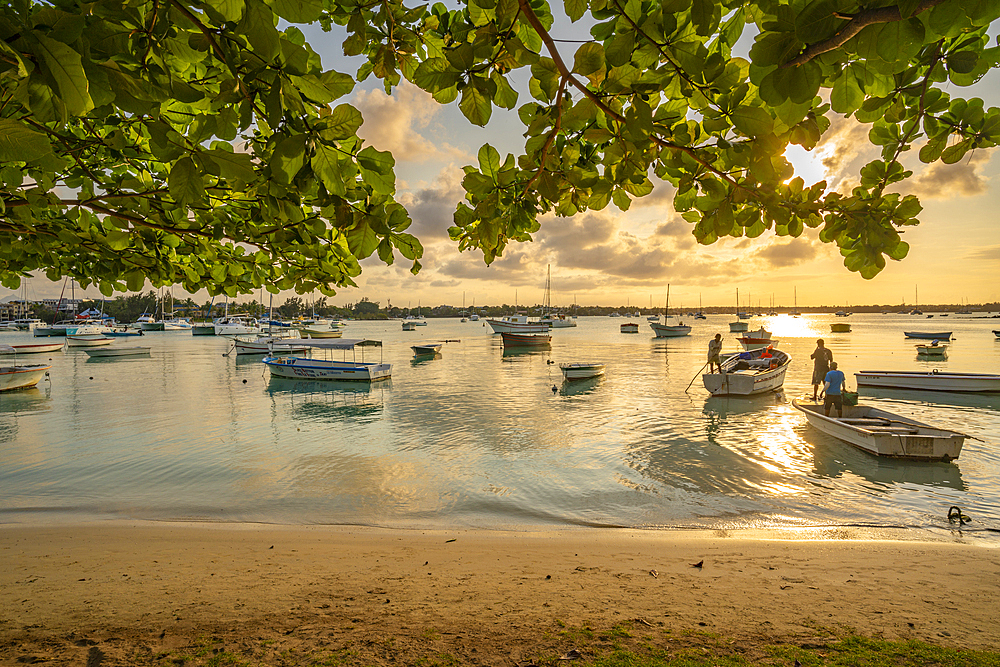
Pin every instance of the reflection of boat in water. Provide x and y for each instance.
(831, 460)
(25, 401)
(329, 400)
(418, 359)
(585, 386)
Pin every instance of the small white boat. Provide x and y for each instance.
(147, 322)
(88, 341)
(933, 350)
(409, 326)
(517, 324)
(738, 327)
(630, 327)
(177, 324)
(753, 340)
(425, 349)
(21, 376)
(119, 352)
(840, 327)
(930, 381)
(304, 368)
(235, 325)
(884, 433)
(319, 332)
(581, 370)
(670, 330)
(30, 349)
(557, 321)
(748, 373)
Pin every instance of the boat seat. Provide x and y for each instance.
(864, 421)
(898, 430)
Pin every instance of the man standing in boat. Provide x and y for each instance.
(833, 386)
(714, 350)
(822, 360)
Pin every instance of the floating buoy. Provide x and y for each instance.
(555, 389)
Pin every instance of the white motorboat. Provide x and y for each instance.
(753, 340)
(748, 373)
(884, 433)
(303, 368)
(147, 322)
(581, 370)
(320, 332)
(177, 324)
(237, 325)
(930, 380)
(409, 326)
(557, 321)
(517, 324)
(30, 348)
(118, 352)
(426, 349)
(20, 376)
(88, 336)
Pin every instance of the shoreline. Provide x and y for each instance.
(488, 597)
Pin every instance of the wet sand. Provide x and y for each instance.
(112, 593)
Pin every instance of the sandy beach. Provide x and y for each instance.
(114, 593)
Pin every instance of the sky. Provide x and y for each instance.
(617, 258)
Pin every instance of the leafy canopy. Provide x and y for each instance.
(202, 143)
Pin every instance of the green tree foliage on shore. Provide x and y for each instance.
(203, 144)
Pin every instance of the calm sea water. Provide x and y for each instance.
(479, 437)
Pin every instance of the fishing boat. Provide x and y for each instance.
(409, 326)
(631, 327)
(425, 349)
(753, 340)
(38, 348)
(665, 330)
(110, 352)
(20, 376)
(930, 381)
(748, 373)
(261, 343)
(885, 434)
(934, 350)
(511, 339)
(581, 370)
(284, 365)
(517, 324)
(840, 327)
(929, 335)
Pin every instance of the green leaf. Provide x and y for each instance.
(589, 58)
(288, 157)
(377, 170)
(435, 74)
(362, 240)
(489, 161)
(258, 25)
(234, 166)
(475, 106)
(185, 182)
(19, 143)
(326, 165)
(298, 11)
(752, 121)
(65, 68)
(231, 10)
(575, 9)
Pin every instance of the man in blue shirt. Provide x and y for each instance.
(833, 385)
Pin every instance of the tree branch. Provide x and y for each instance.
(857, 23)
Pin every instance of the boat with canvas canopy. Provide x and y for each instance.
(284, 365)
(883, 433)
(930, 380)
(749, 373)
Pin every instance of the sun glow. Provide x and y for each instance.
(809, 164)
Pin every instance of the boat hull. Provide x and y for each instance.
(88, 340)
(21, 377)
(203, 330)
(940, 335)
(581, 371)
(885, 434)
(501, 327)
(151, 326)
(932, 381)
(424, 350)
(669, 330)
(840, 328)
(630, 328)
(303, 368)
(738, 327)
(525, 339)
(320, 333)
(35, 349)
